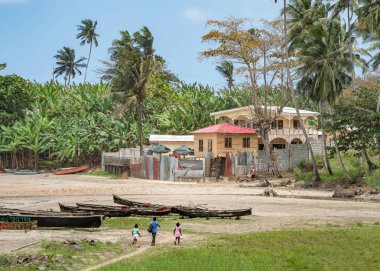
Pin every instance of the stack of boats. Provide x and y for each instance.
(127, 208)
(85, 215)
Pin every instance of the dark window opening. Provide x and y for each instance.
(246, 142)
(200, 145)
(228, 142)
(210, 145)
(296, 124)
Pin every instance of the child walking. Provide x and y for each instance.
(177, 233)
(135, 234)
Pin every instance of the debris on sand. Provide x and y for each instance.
(340, 192)
(268, 192)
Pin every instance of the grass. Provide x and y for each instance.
(353, 249)
(53, 255)
(352, 163)
(373, 179)
(101, 174)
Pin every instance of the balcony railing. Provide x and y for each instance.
(293, 131)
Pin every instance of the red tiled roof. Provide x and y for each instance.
(225, 128)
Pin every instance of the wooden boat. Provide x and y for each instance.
(9, 170)
(131, 203)
(18, 225)
(85, 221)
(71, 170)
(139, 211)
(108, 212)
(39, 212)
(214, 213)
(28, 172)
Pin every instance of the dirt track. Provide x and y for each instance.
(42, 192)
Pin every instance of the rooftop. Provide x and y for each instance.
(162, 138)
(225, 128)
(285, 110)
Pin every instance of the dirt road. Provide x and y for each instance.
(42, 192)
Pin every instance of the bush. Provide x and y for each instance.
(373, 180)
(305, 165)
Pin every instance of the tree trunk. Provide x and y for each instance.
(325, 159)
(370, 164)
(271, 163)
(139, 110)
(88, 61)
(316, 178)
(340, 160)
(378, 110)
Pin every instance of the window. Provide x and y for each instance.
(280, 124)
(210, 145)
(201, 145)
(274, 124)
(296, 124)
(246, 142)
(228, 142)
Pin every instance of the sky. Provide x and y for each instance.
(31, 32)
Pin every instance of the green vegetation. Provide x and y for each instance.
(373, 179)
(101, 174)
(356, 167)
(53, 255)
(332, 249)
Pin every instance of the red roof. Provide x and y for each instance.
(225, 128)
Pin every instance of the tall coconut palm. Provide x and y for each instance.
(132, 63)
(88, 35)
(67, 65)
(326, 66)
(316, 176)
(226, 69)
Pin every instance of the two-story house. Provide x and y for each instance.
(285, 129)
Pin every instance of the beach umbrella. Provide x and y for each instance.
(159, 149)
(184, 150)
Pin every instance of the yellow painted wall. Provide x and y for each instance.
(219, 146)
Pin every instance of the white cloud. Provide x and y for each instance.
(10, 2)
(195, 15)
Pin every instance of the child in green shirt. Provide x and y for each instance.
(135, 234)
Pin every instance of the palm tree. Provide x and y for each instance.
(316, 177)
(3, 66)
(326, 65)
(67, 65)
(226, 69)
(87, 35)
(132, 63)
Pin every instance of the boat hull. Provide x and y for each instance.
(71, 170)
(91, 221)
(214, 213)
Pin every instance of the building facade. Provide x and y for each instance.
(224, 138)
(285, 129)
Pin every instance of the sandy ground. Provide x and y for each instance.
(42, 192)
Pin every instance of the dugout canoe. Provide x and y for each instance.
(88, 221)
(71, 170)
(214, 213)
(131, 203)
(139, 211)
(108, 212)
(28, 172)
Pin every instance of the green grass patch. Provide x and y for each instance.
(101, 174)
(53, 255)
(353, 164)
(353, 249)
(373, 179)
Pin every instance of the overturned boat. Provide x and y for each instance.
(213, 213)
(71, 170)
